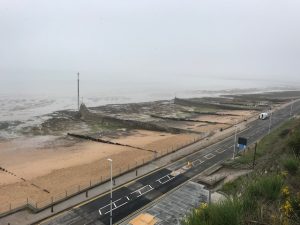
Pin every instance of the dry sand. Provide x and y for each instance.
(59, 168)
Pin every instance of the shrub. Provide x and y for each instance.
(232, 187)
(284, 133)
(294, 143)
(291, 164)
(227, 212)
(265, 188)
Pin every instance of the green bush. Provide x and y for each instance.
(294, 143)
(232, 187)
(291, 165)
(265, 188)
(227, 212)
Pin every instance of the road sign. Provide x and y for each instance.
(242, 141)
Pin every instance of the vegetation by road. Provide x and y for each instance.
(270, 194)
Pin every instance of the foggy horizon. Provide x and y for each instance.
(144, 41)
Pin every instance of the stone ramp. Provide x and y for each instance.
(172, 208)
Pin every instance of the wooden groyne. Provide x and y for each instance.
(188, 120)
(107, 142)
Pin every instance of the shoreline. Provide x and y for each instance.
(56, 163)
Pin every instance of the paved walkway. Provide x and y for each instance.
(172, 208)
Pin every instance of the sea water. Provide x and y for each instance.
(28, 103)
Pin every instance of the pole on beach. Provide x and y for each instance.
(111, 184)
(78, 91)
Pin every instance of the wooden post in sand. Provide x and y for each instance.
(52, 204)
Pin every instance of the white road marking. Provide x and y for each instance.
(169, 178)
(141, 191)
(197, 162)
(120, 204)
(220, 150)
(209, 156)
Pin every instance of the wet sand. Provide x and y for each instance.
(45, 166)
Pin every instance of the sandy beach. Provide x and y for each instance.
(43, 164)
(60, 168)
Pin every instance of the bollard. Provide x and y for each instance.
(136, 173)
(114, 181)
(87, 194)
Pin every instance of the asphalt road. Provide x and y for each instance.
(130, 198)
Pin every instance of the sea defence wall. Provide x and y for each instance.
(105, 119)
(191, 102)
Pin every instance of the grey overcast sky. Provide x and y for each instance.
(150, 39)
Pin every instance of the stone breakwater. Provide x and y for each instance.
(133, 124)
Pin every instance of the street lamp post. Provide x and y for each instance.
(111, 184)
(270, 123)
(234, 144)
(291, 112)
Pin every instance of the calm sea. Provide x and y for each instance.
(27, 103)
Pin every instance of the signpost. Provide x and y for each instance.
(242, 143)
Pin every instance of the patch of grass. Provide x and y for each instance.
(294, 142)
(245, 158)
(227, 212)
(266, 187)
(232, 187)
(291, 164)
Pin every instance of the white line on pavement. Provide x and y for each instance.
(197, 162)
(209, 156)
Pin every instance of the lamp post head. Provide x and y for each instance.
(109, 160)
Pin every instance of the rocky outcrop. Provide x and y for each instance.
(191, 102)
(105, 119)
